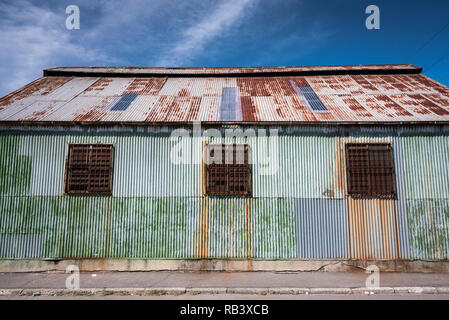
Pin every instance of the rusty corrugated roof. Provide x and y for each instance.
(351, 94)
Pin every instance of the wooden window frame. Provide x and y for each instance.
(236, 176)
(365, 178)
(90, 167)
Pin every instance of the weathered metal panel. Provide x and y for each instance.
(426, 163)
(80, 108)
(373, 229)
(322, 229)
(273, 228)
(165, 227)
(85, 226)
(71, 89)
(108, 87)
(225, 228)
(306, 166)
(157, 209)
(429, 229)
(137, 111)
(17, 106)
(211, 87)
(40, 87)
(357, 98)
(145, 86)
(30, 227)
(37, 111)
(234, 70)
(373, 222)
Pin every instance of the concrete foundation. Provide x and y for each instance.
(222, 265)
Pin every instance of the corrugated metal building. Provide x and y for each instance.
(306, 196)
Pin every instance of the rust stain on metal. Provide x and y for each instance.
(332, 83)
(161, 109)
(393, 81)
(430, 105)
(249, 110)
(367, 86)
(282, 108)
(146, 86)
(356, 107)
(350, 85)
(439, 99)
(42, 86)
(286, 86)
(349, 98)
(410, 103)
(203, 221)
(183, 92)
(195, 104)
(379, 83)
(99, 85)
(335, 108)
(389, 104)
(301, 111)
(339, 173)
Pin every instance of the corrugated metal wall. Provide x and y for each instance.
(157, 209)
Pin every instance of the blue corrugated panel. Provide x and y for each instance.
(230, 109)
(322, 229)
(313, 100)
(124, 102)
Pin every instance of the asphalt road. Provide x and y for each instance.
(161, 279)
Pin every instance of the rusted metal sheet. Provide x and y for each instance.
(145, 86)
(373, 229)
(138, 111)
(348, 98)
(41, 86)
(37, 111)
(107, 87)
(233, 70)
(71, 89)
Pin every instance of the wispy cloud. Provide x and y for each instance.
(149, 33)
(213, 24)
(34, 38)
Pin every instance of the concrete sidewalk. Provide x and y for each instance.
(50, 283)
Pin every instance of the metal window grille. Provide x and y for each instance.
(228, 170)
(370, 170)
(89, 169)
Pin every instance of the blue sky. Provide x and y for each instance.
(217, 33)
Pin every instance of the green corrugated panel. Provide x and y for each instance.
(273, 228)
(429, 229)
(227, 227)
(15, 167)
(85, 226)
(154, 227)
(426, 167)
(30, 227)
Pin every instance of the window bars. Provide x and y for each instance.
(89, 169)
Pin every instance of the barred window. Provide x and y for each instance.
(370, 170)
(89, 169)
(228, 170)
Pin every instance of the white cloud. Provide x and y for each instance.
(194, 39)
(34, 38)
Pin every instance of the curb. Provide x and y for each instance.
(196, 291)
